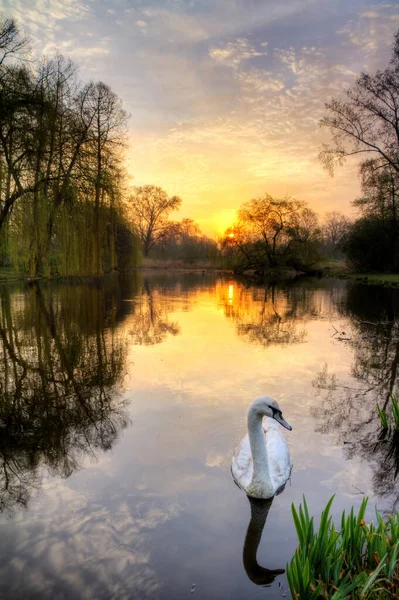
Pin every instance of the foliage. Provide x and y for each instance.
(370, 245)
(270, 233)
(357, 561)
(379, 205)
(61, 175)
(380, 192)
(390, 421)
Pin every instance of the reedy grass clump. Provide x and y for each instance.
(386, 421)
(358, 561)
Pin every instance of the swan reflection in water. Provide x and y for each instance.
(257, 574)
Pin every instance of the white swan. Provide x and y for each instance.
(261, 463)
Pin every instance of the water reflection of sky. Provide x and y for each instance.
(154, 513)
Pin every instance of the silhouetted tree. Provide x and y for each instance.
(270, 232)
(334, 230)
(185, 241)
(370, 245)
(150, 209)
(366, 122)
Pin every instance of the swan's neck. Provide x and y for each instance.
(256, 436)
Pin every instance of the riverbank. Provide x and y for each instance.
(8, 274)
(386, 279)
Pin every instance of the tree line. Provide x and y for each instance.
(61, 171)
(270, 233)
(65, 208)
(149, 209)
(366, 122)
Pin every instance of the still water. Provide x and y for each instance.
(120, 407)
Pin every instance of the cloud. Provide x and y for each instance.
(79, 52)
(233, 54)
(259, 81)
(45, 21)
(373, 31)
(370, 15)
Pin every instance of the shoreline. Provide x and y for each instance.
(384, 279)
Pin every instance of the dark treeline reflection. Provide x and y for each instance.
(350, 411)
(61, 364)
(276, 314)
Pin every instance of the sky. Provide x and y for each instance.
(224, 96)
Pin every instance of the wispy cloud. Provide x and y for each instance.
(225, 98)
(233, 54)
(372, 33)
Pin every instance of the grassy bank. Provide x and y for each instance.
(338, 268)
(386, 279)
(10, 274)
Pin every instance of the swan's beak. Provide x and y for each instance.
(283, 422)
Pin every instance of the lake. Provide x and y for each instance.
(121, 404)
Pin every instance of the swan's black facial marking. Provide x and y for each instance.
(275, 411)
(278, 416)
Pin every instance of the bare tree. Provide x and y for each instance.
(11, 40)
(334, 229)
(150, 208)
(106, 127)
(367, 121)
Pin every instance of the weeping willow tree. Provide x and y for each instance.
(73, 248)
(61, 169)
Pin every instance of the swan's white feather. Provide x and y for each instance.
(279, 459)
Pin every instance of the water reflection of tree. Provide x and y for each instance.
(60, 365)
(351, 411)
(150, 317)
(271, 315)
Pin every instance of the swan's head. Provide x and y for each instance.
(269, 407)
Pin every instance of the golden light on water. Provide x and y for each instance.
(230, 295)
